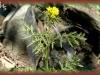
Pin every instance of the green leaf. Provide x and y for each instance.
(52, 44)
(68, 39)
(32, 29)
(24, 23)
(31, 43)
(61, 65)
(27, 37)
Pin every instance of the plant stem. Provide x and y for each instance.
(46, 58)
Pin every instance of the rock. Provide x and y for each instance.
(86, 23)
(7, 63)
(14, 34)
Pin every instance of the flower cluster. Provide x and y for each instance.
(52, 11)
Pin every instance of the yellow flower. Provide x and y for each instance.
(53, 16)
(55, 10)
(52, 11)
(49, 9)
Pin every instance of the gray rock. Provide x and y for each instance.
(13, 32)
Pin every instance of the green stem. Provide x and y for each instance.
(46, 58)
